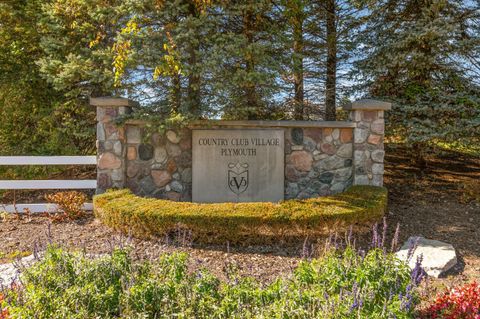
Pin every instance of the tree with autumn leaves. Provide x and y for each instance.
(266, 59)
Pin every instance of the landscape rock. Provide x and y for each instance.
(173, 150)
(374, 139)
(360, 135)
(147, 185)
(343, 174)
(292, 190)
(109, 161)
(297, 136)
(100, 132)
(176, 186)
(132, 169)
(330, 163)
(9, 273)
(346, 150)
(186, 143)
(314, 133)
(301, 160)
(377, 169)
(346, 135)
(173, 137)
(361, 180)
(326, 177)
(117, 148)
(328, 148)
(161, 178)
(134, 135)
(438, 257)
(378, 127)
(378, 155)
(369, 116)
(187, 175)
(131, 153)
(337, 187)
(309, 144)
(336, 134)
(160, 154)
(104, 181)
(145, 152)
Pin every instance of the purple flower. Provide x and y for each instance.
(350, 231)
(412, 246)
(417, 273)
(384, 232)
(375, 236)
(395, 238)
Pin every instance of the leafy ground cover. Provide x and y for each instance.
(237, 223)
(343, 283)
(455, 303)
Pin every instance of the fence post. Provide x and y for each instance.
(368, 135)
(110, 141)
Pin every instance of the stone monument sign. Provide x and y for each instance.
(239, 161)
(237, 165)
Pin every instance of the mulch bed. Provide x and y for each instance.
(428, 202)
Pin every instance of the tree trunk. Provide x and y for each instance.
(297, 23)
(176, 93)
(249, 87)
(331, 81)
(193, 90)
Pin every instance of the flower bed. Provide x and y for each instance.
(457, 303)
(240, 223)
(341, 284)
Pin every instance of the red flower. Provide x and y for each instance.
(458, 303)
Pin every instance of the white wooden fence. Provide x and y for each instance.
(45, 184)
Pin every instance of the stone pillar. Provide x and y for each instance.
(111, 150)
(368, 150)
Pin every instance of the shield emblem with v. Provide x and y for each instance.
(238, 177)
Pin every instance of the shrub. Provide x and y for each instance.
(70, 203)
(343, 284)
(240, 222)
(458, 303)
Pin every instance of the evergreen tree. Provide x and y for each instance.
(417, 54)
(36, 118)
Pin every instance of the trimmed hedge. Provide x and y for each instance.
(240, 222)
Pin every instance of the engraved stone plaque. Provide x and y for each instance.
(237, 165)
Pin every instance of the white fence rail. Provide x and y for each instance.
(47, 160)
(45, 184)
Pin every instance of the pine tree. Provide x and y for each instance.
(37, 118)
(416, 54)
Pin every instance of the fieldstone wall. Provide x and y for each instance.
(160, 166)
(368, 116)
(318, 161)
(321, 158)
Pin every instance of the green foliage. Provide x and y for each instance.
(341, 284)
(240, 222)
(37, 119)
(191, 59)
(76, 39)
(430, 118)
(425, 59)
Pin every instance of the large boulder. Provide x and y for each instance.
(10, 272)
(438, 257)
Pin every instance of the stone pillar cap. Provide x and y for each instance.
(369, 104)
(112, 101)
